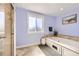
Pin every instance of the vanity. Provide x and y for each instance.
(64, 47)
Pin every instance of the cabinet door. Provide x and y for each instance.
(67, 52)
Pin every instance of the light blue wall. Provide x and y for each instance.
(22, 35)
(69, 29)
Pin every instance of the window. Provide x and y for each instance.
(35, 23)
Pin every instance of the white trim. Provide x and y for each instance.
(23, 46)
(14, 31)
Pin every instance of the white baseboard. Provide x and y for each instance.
(23, 46)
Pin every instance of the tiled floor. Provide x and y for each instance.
(30, 51)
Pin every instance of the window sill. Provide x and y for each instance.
(35, 32)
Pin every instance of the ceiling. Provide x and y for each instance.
(52, 9)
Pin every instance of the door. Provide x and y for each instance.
(6, 37)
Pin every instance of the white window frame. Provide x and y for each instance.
(36, 15)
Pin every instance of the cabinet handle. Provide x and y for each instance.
(54, 47)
